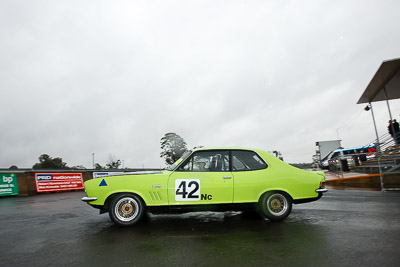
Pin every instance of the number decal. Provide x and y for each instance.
(187, 189)
(195, 190)
(181, 190)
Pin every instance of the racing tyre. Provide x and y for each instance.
(275, 206)
(126, 209)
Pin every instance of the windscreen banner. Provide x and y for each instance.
(51, 182)
(8, 184)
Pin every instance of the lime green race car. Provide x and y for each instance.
(217, 179)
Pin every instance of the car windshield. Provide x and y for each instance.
(185, 156)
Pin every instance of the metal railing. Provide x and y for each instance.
(386, 158)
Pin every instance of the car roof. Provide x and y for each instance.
(225, 148)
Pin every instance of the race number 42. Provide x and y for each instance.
(187, 189)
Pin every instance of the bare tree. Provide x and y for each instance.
(113, 162)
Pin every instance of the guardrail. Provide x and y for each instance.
(374, 163)
(386, 158)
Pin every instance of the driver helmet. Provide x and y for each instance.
(205, 161)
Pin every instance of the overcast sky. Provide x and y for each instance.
(83, 77)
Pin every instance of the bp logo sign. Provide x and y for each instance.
(8, 184)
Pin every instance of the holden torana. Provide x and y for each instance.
(216, 179)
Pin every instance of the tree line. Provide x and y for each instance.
(173, 147)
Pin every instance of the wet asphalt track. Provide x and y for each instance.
(344, 228)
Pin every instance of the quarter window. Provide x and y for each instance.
(247, 161)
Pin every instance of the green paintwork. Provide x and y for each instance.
(160, 189)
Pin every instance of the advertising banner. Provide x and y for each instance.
(100, 174)
(105, 174)
(8, 184)
(51, 182)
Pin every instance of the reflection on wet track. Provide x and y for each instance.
(342, 228)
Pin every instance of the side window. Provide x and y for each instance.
(247, 161)
(207, 161)
(348, 152)
(335, 155)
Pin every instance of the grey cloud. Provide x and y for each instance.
(79, 77)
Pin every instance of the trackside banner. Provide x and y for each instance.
(8, 184)
(51, 182)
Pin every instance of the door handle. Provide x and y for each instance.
(227, 177)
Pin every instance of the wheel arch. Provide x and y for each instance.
(276, 190)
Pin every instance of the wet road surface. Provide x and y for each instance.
(344, 228)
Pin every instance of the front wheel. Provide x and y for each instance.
(275, 206)
(126, 209)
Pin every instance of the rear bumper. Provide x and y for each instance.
(321, 190)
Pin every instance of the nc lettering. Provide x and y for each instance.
(206, 197)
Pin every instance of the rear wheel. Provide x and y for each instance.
(275, 206)
(126, 209)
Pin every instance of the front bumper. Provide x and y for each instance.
(89, 199)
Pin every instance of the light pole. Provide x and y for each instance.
(93, 159)
(378, 145)
(367, 108)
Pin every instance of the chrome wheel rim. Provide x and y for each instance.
(277, 204)
(126, 209)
